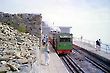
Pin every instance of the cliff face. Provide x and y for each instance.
(30, 23)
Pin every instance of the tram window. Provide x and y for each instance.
(64, 39)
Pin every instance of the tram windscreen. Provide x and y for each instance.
(64, 39)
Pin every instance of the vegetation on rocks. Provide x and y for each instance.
(23, 22)
(17, 50)
(22, 28)
(19, 40)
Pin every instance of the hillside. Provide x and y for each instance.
(30, 23)
(18, 49)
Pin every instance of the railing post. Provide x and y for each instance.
(106, 48)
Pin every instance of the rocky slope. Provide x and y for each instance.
(30, 23)
(17, 50)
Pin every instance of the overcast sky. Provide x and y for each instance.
(89, 18)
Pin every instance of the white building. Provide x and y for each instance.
(65, 29)
(46, 29)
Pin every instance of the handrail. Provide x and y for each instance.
(104, 47)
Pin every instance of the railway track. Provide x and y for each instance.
(81, 62)
(72, 66)
(98, 63)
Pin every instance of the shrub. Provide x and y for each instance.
(22, 28)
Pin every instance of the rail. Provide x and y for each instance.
(104, 47)
(72, 65)
(96, 61)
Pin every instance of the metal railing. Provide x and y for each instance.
(104, 47)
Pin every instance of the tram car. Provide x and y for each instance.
(62, 42)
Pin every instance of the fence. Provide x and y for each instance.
(104, 47)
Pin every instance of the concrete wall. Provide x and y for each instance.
(65, 29)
